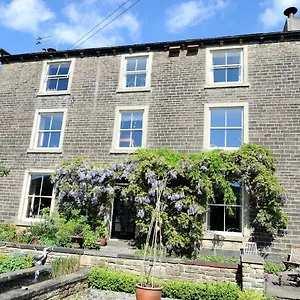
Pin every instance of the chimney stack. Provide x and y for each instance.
(292, 23)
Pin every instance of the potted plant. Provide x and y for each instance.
(102, 232)
(148, 289)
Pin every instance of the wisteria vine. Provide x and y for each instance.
(185, 183)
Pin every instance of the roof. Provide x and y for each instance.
(3, 52)
(270, 37)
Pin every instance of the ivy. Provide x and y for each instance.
(185, 184)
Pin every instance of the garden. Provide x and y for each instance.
(171, 193)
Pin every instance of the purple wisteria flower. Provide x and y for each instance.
(178, 206)
(172, 174)
(140, 214)
(192, 210)
(260, 158)
(169, 247)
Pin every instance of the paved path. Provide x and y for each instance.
(282, 292)
(105, 295)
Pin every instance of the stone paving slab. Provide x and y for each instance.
(92, 294)
(282, 292)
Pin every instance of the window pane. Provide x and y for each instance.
(137, 138)
(217, 117)
(234, 117)
(141, 63)
(53, 69)
(233, 57)
(219, 58)
(137, 120)
(43, 139)
(131, 64)
(126, 120)
(54, 139)
(45, 121)
(233, 75)
(233, 219)
(220, 75)
(234, 138)
(62, 84)
(64, 69)
(130, 81)
(217, 138)
(35, 184)
(47, 186)
(125, 139)
(216, 218)
(45, 203)
(51, 84)
(140, 80)
(237, 189)
(57, 121)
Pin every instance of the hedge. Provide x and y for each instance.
(104, 279)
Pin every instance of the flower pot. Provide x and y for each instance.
(77, 241)
(102, 241)
(146, 291)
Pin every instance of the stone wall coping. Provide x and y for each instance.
(253, 259)
(46, 286)
(99, 253)
(23, 273)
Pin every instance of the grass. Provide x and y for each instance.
(64, 265)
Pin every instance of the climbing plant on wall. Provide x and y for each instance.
(186, 183)
(3, 170)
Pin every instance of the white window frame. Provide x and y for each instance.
(44, 78)
(24, 197)
(243, 218)
(122, 79)
(35, 130)
(209, 67)
(206, 136)
(115, 142)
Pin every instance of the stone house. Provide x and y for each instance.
(189, 95)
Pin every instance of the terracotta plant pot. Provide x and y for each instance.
(102, 241)
(148, 292)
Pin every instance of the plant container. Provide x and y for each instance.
(102, 241)
(148, 291)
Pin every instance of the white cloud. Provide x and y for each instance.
(191, 13)
(25, 15)
(273, 13)
(76, 19)
(81, 18)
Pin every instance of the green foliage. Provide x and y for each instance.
(3, 170)
(15, 263)
(273, 268)
(104, 279)
(217, 258)
(64, 265)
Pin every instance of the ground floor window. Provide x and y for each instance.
(224, 217)
(38, 194)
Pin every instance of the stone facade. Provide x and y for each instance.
(176, 111)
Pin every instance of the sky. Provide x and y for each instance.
(63, 24)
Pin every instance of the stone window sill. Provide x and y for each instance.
(133, 90)
(120, 151)
(54, 93)
(44, 150)
(226, 85)
(226, 237)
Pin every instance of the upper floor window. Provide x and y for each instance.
(226, 126)
(135, 72)
(226, 66)
(37, 195)
(226, 217)
(130, 128)
(57, 77)
(48, 130)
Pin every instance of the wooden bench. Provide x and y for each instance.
(292, 266)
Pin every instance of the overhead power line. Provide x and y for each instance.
(101, 22)
(124, 11)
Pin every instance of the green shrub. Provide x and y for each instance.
(104, 279)
(15, 263)
(64, 265)
(273, 268)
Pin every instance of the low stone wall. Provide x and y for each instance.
(248, 274)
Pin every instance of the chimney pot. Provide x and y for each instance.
(290, 12)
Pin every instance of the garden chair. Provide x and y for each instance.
(250, 248)
(292, 265)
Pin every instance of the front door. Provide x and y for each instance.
(123, 226)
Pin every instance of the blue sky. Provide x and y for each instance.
(63, 22)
